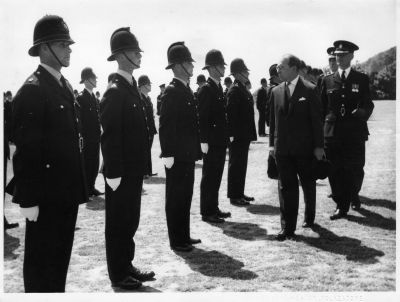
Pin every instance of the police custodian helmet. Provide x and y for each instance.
(238, 66)
(50, 28)
(143, 80)
(214, 58)
(86, 74)
(122, 39)
(178, 53)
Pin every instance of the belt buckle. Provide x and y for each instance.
(80, 143)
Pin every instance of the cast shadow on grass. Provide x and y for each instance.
(263, 209)
(372, 219)
(216, 264)
(96, 203)
(391, 205)
(242, 230)
(155, 180)
(350, 247)
(10, 245)
(142, 289)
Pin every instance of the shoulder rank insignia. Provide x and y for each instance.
(32, 79)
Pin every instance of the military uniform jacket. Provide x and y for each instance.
(48, 161)
(125, 137)
(149, 114)
(339, 100)
(241, 124)
(261, 100)
(179, 123)
(299, 131)
(213, 116)
(90, 117)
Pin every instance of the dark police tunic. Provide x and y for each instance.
(179, 138)
(261, 103)
(7, 122)
(345, 133)
(49, 173)
(152, 128)
(214, 132)
(241, 126)
(91, 136)
(125, 145)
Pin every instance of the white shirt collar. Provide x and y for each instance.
(294, 81)
(216, 81)
(346, 71)
(183, 81)
(126, 75)
(52, 71)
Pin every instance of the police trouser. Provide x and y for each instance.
(237, 168)
(261, 122)
(213, 168)
(348, 160)
(92, 162)
(48, 245)
(149, 163)
(291, 168)
(178, 195)
(122, 221)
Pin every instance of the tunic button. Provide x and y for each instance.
(47, 166)
(62, 106)
(77, 120)
(342, 95)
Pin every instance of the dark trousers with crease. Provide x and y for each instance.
(178, 196)
(346, 178)
(149, 163)
(122, 221)
(261, 122)
(213, 168)
(237, 168)
(48, 245)
(291, 168)
(92, 162)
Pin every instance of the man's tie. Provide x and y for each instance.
(343, 77)
(286, 99)
(64, 84)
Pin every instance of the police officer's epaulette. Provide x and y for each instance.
(32, 80)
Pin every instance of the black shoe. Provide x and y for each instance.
(194, 241)
(127, 283)
(283, 235)
(248, 198)
(239, 202)
(153, 174)
(308, 224)
(11, 226)
(213, 219)
(221, 214)
(136, 273)
(182, 248)
(330, 195)
(355, 206)
(96, 192)
(338, 214)
(262, 135)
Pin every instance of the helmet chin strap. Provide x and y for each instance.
(242, 75)
(55, 56)
(137, 66)
(219, 72)
(91, 83)
(185, 70)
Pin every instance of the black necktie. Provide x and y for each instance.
(220, 88)
(64, 84)
(343, 77)
(286, 99)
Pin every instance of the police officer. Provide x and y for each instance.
(261, 103)
(145, 88)
(333, 66)
(347, 105)
(162, 88)
(180, 146)
(48, 162)
(228, 83)
(241, 131)
(274, 80)
(125, 145)
(89, 111)
(213, 137)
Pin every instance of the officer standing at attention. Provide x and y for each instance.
(228, 84)
(48, 161)
(261, 103)
(213, 137)
(180, 146)
(347, 106)
(201, 81)
(241, 131)
(89, 111)
(162, 88)
(145, 88)
(125, 145)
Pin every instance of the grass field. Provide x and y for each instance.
(354, 254)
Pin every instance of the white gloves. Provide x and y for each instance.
(31, 213)
(168, 162)
(231, 138)
(113, 182)
(204, 148)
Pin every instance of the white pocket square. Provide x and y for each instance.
(302, 99)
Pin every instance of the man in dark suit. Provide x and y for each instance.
(213, 137)
(296, 136)
(162, 88)
(274, 80)
(48, 161)
(261, 103)
(347, 106)
(89, 111)
(241, 131)
(125, 145)
(180, 146)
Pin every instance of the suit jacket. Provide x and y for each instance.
(261, 100)
(272, 84)
(90, 117)
(300, 131)
(48, 161)
(339, 100)
(241, 124)
(149, 115)
(213, 117)
(179, 123)
(125, 138)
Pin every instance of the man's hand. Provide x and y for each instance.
(319, 153)
(31, 213)
(168, 162)
(204, 148)
(113, 182)
(231, 139)
(272, 150)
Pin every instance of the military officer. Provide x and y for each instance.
(347, 105)
(180, 146)
(333, 66)
(241, 131)
(48, 162)
(89, 111)
(261, 103)
(213, 137)
(125, 145)
(162, 88)
(145, 88)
